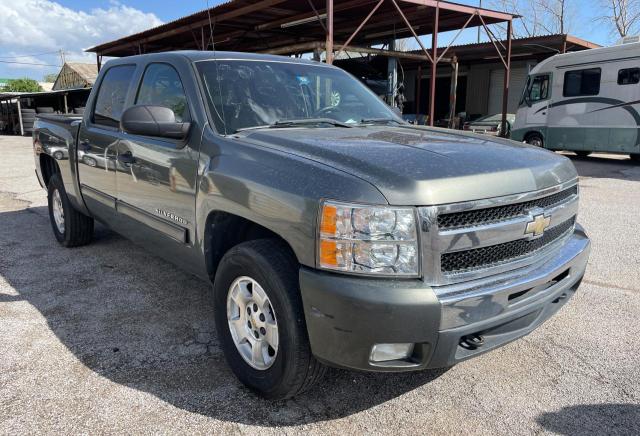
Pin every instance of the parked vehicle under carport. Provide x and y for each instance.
(490, 125)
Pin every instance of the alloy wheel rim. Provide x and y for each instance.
(252, 323)
(58, 211)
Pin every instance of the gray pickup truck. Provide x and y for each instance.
(333, 232)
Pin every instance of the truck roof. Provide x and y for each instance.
(199, 55)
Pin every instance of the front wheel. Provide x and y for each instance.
(535, 140)
(260, 320)
(70, 227)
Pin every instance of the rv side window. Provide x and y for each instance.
(581, 82)
(629, 76)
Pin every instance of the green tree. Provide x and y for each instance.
(22, 85)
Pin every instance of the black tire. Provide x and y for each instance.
(274, 267)
(27, 111)
(635, 157)
(78, 110)
(78, 228)
(534, 139)
(44, 110)
(582, 153)
(28, 119)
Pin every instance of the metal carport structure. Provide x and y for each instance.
(293, 27)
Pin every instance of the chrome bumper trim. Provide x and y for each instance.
(479, 300)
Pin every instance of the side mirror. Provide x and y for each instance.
(153, 121)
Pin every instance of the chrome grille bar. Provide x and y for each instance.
(458, 253)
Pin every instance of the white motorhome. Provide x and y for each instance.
(584, 102)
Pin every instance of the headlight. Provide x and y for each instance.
(379, 240)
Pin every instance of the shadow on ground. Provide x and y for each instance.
(593, 420)
(140, 322)
(606, 167)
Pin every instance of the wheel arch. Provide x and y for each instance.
(48, 167)
(225, 230)
(533, 132)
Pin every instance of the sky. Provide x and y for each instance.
(32, 32)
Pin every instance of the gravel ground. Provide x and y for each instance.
(110, 339)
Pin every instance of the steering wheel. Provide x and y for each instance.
(327, 110)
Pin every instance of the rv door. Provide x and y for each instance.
(537, 97)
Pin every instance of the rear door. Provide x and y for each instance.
(156, 177)
(98, 142)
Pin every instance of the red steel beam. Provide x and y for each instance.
(502, 16)
(434, 64)
(329, 42)
(353, 35)
(406, 21)
(505, 90)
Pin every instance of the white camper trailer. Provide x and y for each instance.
(584, 102)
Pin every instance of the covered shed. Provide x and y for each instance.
(74, 75)
(18, 109)
(480, 74)
(329, 27)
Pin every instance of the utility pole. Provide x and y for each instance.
(62, 56)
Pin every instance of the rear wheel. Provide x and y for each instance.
(260, 320)
(534, 139)
(70, 227)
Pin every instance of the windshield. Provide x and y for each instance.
(245, 94)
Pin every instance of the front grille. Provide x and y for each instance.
(501, 213)
(486, 257)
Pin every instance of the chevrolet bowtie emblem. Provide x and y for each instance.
(537, 226)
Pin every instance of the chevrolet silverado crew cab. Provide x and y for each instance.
(333, 232)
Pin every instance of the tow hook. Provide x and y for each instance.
(472, 342)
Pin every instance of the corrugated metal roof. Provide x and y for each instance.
(258, 25)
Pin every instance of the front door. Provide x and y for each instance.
(98, 143)
(538, 98)
(156, 177)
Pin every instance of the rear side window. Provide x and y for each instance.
(629, 76)
(581, 82)
(161, 86)
(112, 95)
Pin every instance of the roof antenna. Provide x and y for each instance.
(211, 28)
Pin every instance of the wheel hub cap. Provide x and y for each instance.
(58, 211)
(252, 323)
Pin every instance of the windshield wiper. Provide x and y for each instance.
(298, 122)
(380, 121)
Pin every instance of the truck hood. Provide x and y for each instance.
(424, 166)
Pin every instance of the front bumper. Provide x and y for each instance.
(347, 315)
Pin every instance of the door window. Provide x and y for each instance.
(629, 76)
(581, 82)
(112, 95)
(537, 89)
(161, 86)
